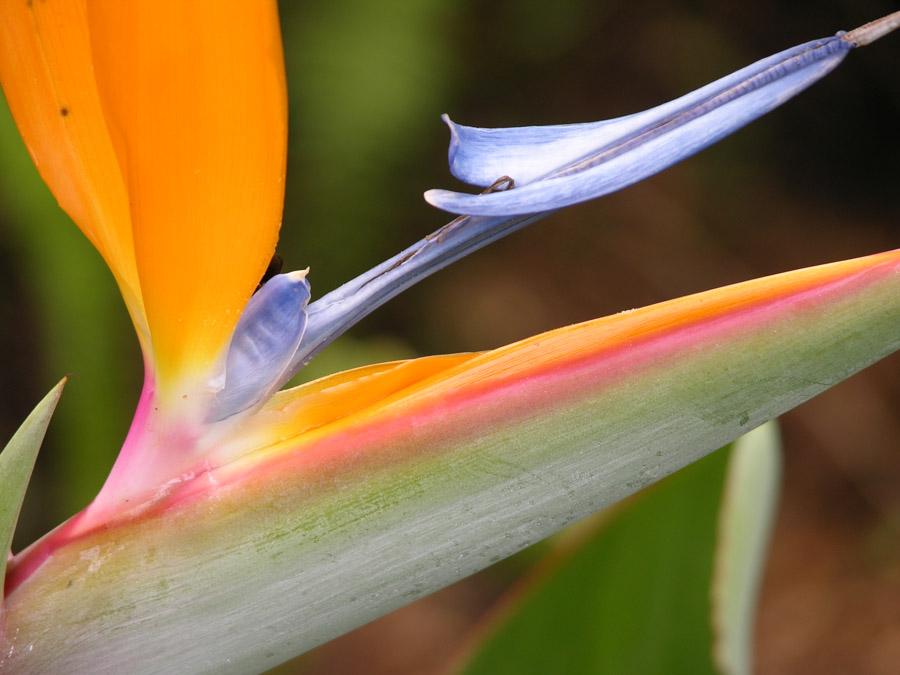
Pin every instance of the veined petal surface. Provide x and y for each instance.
(376, 500)
(561, 165)
(263, 344)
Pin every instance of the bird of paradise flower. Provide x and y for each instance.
(161, 129)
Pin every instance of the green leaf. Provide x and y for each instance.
(16, 464)
(634, 595)
(745, 525)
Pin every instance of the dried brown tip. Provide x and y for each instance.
(873, 30)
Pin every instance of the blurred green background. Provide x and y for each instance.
(814, 182)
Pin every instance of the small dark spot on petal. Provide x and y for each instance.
(64, 111)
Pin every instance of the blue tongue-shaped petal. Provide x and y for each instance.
(264, 342)
(556, 166)
(479, 156)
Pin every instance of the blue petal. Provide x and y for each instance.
(264, 342)
(561, 165)
(555, 154)
(334, 313)
(480, 156)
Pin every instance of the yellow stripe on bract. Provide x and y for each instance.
(48, 77)
(196, 95)
(316, 404)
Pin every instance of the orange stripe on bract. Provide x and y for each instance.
(47, 73)
(195, 95)
(334, 397)
(572, 343)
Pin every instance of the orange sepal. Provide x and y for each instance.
(196, 94)
(160, 126)
(46, 67)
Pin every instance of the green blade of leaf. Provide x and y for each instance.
(17, 463)
(745, 524)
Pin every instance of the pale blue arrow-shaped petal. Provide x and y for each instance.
(556, 166)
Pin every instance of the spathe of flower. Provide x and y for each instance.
(555, 166)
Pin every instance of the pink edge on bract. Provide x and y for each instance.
(128, 463)
(505, 386)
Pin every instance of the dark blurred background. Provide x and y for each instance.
(816, 181)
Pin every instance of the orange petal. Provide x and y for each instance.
(160, 126)
(314, 405)
(47, 74)
(195, 95)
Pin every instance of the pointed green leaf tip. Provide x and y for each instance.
(16, 465)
